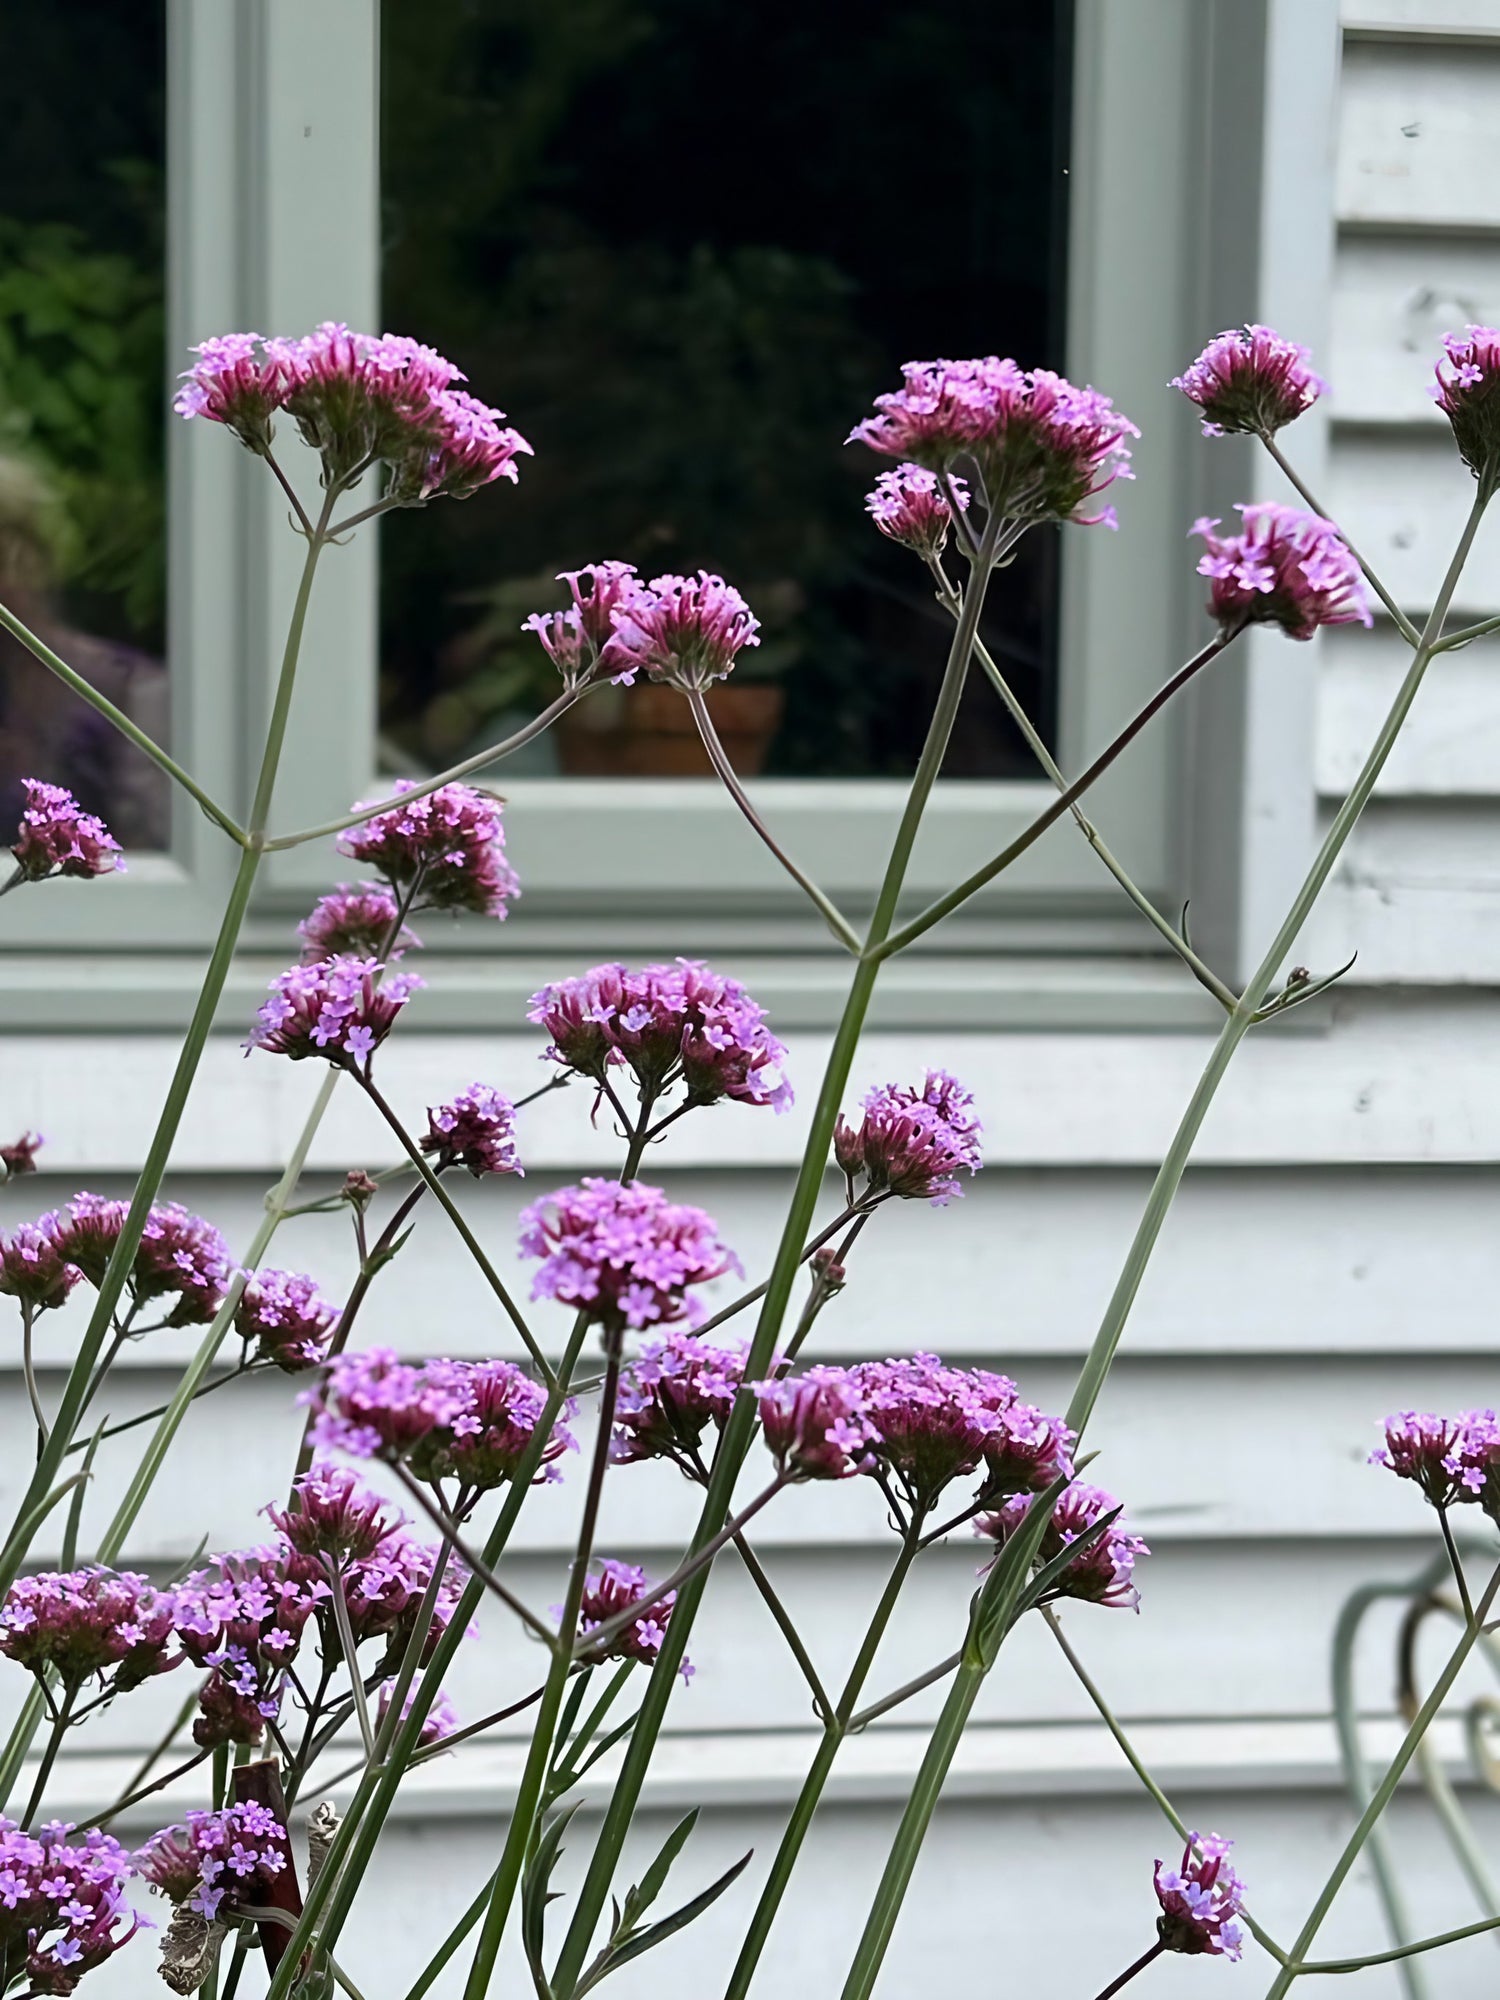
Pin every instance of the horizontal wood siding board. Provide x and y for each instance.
(1417, 145)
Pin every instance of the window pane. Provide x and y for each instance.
(683, 243)
(82, 419)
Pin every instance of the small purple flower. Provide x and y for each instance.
(86, 1623)
(1250, 379)
(34, 1266)
(446, 850)
(57, 837)
(1200, 1899)
(1449, 1458)
(670, 1395)
(373, 1405)
(333, 1513)
(623, 1254)
(243, 1618)
(1467, 378)
(612, 1588)
(668, 1024)
(1026, 1450)
(341, 1009)
(929, 1424)
(909, 506)
(1286, 568)
(232, 1856)
(284, 1318)
(355, 923)
(1104, 1572)
(912, 1143)
(815, 1424)
(19, 1157)
(62, 1904)
(574, 639)
(471, 446)
(237, 383)
(475, 1130)
(179, 1256)
(441, 1720)
(686, 630)
(1043, 446)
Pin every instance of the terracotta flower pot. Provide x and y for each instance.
(647, 731)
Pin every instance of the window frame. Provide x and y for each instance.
(273, 223)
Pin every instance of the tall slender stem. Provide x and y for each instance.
(1130, 1971)
(351, 1656)
(28, 1369)
(1404, 625)
(55, 1735)
(476, 1564)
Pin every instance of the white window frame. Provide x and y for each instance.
(1201, 193)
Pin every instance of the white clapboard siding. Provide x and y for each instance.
(1394, 298)
(1418, 147)
(1404, 497)
(1450, 745)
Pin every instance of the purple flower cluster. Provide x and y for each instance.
(466, 1421)
(1200, 1899)
(670, 1395)
(441, 1720)
(342, 1009)
(623, 1254)
(1043, 447)
(929, 1424)
(90, 1623)
(1250, 379)
(1454, 1460)
(179, 1256)
(57, 837)
(19, 1157)
(1104, 1572)
(475, 1130)
(243, 1618)
(1467, 378)
(217, 1858)
(34, 1265)
(815, 1425)
(283, 1318)
(1286, 568)
(575, 639)
(611, 1589)
(909, 505)
(62, 1905)
(912, 1143)
(355, 923)
(356, 397)
(686, 630)
(444, 850)
(667, 1024)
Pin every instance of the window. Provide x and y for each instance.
(274, 221)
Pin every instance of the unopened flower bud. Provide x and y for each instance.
(20, 1156)
(359, 1188)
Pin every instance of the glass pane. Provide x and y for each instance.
(683, 243)
(82, 410)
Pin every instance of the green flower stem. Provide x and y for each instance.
(735, 1441)
(478, 762)
(1404, 625)
(831, 914)
(121, 721)
(1400, 1952)
(1169, 1176)
(1381, 1797)
(1151, 1953)
(835, 1730)
(1467, 635)
(1064, 802)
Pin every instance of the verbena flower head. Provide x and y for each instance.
(355, 923)
(282, 1317)
(575, 639)
(1250, 379)
(340, 1009)
(912, 1142)
(243, 1618)
(217, 1861)
(1285, 568)
(815, 1425)
(670, 1395)
(19, 1157)
(1424, 1448)
(57, 837)
(623, 1254)
(1026, 1449)
(1043, 446)
(333, 1513)
(441, 1719)
(686, 630)
(475, 1130)
(384, 1594)
(909, 506)
(929, 1423)
(235, 382)
(613, 1587)
(374, 1405)
(471, 446)
(668, 1024)
(179, 1256)
(498, 1410)
(447, 846)
(62, 1905)
(1103, 1573)
(90, 1623)
(34, 1265)
(1468, 377)
(1200, 1899)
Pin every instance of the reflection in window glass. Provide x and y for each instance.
(82, 368)
(683, 243)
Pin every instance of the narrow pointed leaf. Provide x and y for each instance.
(1051, 1571)
(614, 1956)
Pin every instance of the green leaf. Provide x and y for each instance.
(536, 1894)
(994, 1603)
(639, 1899)
(614, 1956)
(1052, 1570)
